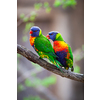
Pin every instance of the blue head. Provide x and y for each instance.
(35, 31)
(55, 36)
(52, 35)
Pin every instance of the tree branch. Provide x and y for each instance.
(35, 59)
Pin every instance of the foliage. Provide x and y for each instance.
(20, 87)
(77, 69)
(46, 82)
(65, 3)
(25, 38)
(18, 58)
(38, 67)
(22, 15)
(18, 55)
(77, 57)
(37, 7)
(32, 98)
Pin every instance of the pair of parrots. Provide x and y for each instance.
(60, 54)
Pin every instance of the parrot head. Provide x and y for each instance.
(53, 35)
(35, 31)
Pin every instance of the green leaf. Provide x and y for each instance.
(36, 82)
(25, 38)
(69, 3)
(33, 74)
(28, 26)
(32, 98)
(22, 15)
(37, 6)
(48, 81)
(38, 67)
(48, 9)
(25, 19)
(46, 4)
(18, 55)
(28, 83)
(25, 98)
(57, 3)
(73, 3)
(33, 63)
(77, 69)
(37, 98)
(32, 18)
(64, 3)
(33, 13)
(20, 87)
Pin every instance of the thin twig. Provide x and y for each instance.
(35, 59)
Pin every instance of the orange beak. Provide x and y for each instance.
(48, 36)
(31, 32)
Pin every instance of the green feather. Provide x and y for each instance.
(69, 62)
(43, 44)
(70, 51)
(44, 48)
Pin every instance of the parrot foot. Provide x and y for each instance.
(67, 68)
(72, 69)
(40, 57)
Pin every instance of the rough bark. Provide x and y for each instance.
(50, 67)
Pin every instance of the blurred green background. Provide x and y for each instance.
(65, 16)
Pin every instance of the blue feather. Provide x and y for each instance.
(61, 57)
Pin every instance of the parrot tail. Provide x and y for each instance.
(57, 63)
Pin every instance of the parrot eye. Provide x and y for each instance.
(36, 31)
(51, 34)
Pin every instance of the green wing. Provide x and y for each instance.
(69, 61)
(70, 51)
(42, 44)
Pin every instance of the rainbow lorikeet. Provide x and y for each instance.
(62, 50)
(42, 45)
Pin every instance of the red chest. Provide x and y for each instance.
(60, 46)
(32, 40)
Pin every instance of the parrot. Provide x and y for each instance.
(42, 45)
(62, 50)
